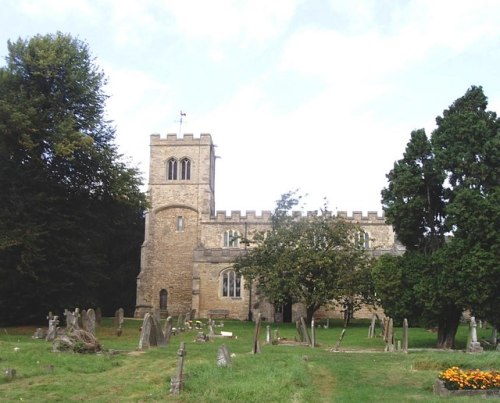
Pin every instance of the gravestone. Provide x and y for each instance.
(119, 314)
(53, 322)
(390, 336)
(151, 334)
(313, 334)
(167, 329)
(256, 344)
(223, 357)
(72, 320)
(268, 334)
(39, 334)
(405, 335)
(474, 346)
(371, 329)
(177, 381)
(91, 321)
(9, 374)
(144, 339)
(304, 330)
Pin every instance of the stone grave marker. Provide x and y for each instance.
(72, 320)
(371, 329)
(39, 333)
(119, 314)
(9, 374)
(268, 334)
(313, 334)
(52, 332)
(223, 357)
(157, 332)
(91, 321)
(144, 339)
(177, 381)
(390, 336)
(405, 335)
(256, 343)
(167, 329)
(474, 346)
(303, 328)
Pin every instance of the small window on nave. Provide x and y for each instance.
(362, 240)
(231, 284)
(231, 239)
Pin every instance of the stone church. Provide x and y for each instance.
(189, 247)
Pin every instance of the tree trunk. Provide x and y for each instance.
(447, 327)
(310, 310)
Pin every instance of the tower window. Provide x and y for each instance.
(186, 169)
(231, 239)
(231, 284)
(172, 169)
(180, 223)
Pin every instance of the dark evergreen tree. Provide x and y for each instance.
(448, 186)
(70, 210)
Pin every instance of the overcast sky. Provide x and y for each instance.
(317, 95)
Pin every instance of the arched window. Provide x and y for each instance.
(163, 299)
(172, 169)
(231, 284)
(231, 239)
(185, 169)
(363, 240)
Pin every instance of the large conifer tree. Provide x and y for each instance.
(71, 210)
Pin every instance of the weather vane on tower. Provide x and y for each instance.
(182, 114)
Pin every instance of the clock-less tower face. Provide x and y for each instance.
(181, 192)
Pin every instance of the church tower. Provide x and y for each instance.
(181, 193)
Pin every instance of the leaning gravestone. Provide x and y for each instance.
(223, 357)
(52, 332)
(177, 381)
(151, 334)
(90, 321)
(157, 332)
(256, 343)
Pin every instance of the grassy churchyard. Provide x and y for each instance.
(359, 372)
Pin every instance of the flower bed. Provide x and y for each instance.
(455, 381)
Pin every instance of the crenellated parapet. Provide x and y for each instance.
(173, 139)
(236, 216)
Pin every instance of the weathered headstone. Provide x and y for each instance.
(474, 346)
(145, 332)
(167, 329)
(313, 334)
(303, 327)
(72, 320)
(39, 333)
(90, 323)
(494, 335)
(157, 333)
(405, 335)
(177, 381)
(371, 329)
(390, 336)
(52, 332)
(223, 357)
(268, 334)
(119, 314)
(201, 337)
(256, 343)
(341, 337)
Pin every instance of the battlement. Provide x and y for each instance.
(173, 140)
(250, 215)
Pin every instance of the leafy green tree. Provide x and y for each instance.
(310, 260)
(70, 209)
(442, 199)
